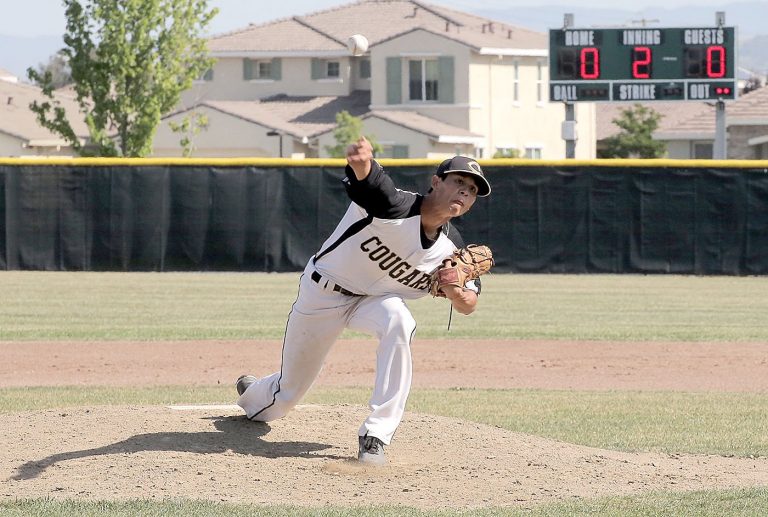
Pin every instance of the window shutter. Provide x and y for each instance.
(399, 151)
(247, 69)
(277, 69)
(445, 80)
(317, 68)
(394, 81)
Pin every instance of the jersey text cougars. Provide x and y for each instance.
(388, 260)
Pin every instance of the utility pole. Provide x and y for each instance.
(279, 134)
(568, 129)
(643, 22)
(719, 151)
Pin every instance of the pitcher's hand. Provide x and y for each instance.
(359, 157)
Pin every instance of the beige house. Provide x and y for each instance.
(683, 127)
(746, 123)
(434, 82)
(20, 133)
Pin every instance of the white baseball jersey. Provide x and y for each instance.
(378, 250)
(379, 246)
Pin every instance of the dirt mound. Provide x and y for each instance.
(307, 458)
(579, 365)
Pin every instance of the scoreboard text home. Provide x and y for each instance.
(656, 64)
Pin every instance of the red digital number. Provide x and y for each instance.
(590, 63)
(715, 61)
(641, 63)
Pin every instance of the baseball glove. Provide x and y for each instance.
(464, 265)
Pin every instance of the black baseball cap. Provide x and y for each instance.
(468, 166)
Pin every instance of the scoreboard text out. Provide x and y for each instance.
(648, 64)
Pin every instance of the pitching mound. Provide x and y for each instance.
(307, 458)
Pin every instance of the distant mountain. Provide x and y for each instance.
(748, 18)
(753, 54)
(19, 53)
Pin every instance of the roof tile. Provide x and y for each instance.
(674, 115)
(17, 119)
(422, 123)
(297, 116)
(378, 20)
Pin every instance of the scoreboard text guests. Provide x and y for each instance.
(648, 64)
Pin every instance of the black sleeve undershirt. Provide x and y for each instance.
(378, 195)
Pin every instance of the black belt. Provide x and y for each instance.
(317, 278)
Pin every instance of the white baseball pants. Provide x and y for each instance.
(317, 318)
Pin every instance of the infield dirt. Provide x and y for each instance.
(114, 452)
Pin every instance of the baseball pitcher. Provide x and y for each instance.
(390, 245)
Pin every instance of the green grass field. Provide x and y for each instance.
(164, 306)
(150, 306)
(742, 503)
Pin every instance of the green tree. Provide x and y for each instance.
(753, 83)
(130, 61)
(58, 68)
(348, 130)
(636, 137)
(189, 127)
(506, 153)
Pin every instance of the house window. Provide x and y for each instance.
(702, 151)
(393, 151)
(422, 79)
(255, 69)
(540, 81)
(365, 69)
(264, 70)
(325, 69)
(533, 152)
(206, 76)
(516, 81)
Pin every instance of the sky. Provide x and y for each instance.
(46, 17)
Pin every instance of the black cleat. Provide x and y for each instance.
(371, 451)
(243, 382)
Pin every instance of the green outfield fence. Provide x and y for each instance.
(601, 216)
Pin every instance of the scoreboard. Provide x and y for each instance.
(642, 64)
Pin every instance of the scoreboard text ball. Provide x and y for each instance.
(649, 64)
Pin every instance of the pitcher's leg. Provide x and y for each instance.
(309, 334)
(389, 319)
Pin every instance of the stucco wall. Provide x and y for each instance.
(296, 79)
(11, 146)
(227, 136)
(738, 136)
(422, 44)
(528, 121)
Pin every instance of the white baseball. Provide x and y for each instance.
(357, 44)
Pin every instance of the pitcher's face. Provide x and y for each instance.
(456, 192)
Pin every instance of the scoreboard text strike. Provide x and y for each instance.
(656, 64)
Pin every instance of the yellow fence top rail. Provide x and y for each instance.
(330, 162)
